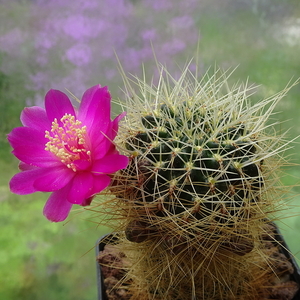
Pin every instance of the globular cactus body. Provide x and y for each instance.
(200, 162)
(199, 189)
(191, 169)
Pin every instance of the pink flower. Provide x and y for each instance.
(66, 152)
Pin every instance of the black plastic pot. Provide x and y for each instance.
(278, 236)
(285, 250)
(100, 247)
(101, 289)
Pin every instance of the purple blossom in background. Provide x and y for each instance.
(79, 54)
(79, 27)
(149, 35)
(182, 22)
(62, 45)
(160, 5)
(12, 40)
(173, 47)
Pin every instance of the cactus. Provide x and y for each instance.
(201, 185)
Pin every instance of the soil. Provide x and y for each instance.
(284, 285)
(112, 263)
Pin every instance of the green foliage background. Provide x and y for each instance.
(43, 260)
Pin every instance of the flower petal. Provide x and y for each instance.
(102, 142)
(29, 147)
(58, 104)
(103, 148)
(87, 201)
(57, 207)
(115, 124)
(86, 101)
(36, 156)
(35, 117)
(25, 167)
(22, 183)
(53, 179)
(110, 164)
(23, 136)
(81, 164)
(82, 185)
(94, 111)
(101, 182)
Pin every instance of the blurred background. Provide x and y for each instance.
(71, 44)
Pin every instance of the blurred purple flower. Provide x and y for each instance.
(182, 22)
(79, 55)
(160, 5)
(79, 27)
(149, 35)
(59, 41)
(173, 47)
(12, 40)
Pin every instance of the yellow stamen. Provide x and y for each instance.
(67, 141)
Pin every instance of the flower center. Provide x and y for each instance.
(68, 141)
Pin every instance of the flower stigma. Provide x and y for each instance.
(68, 141)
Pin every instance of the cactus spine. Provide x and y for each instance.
(199, 189)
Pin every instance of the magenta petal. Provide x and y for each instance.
(115, 124)
(22, 183)
(24, 167)
(26, 136)
(35, 117)
(100, 183)
(110, 164)
(94, 111)
(82, 185)
(100, 150)
(86, 101)
(57, 207)
(81, 164)
(36, 156)
(104, 140)
(87, 201)
(57, 105)
(53, 179)
(29, 147)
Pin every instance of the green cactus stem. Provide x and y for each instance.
(201, 161)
